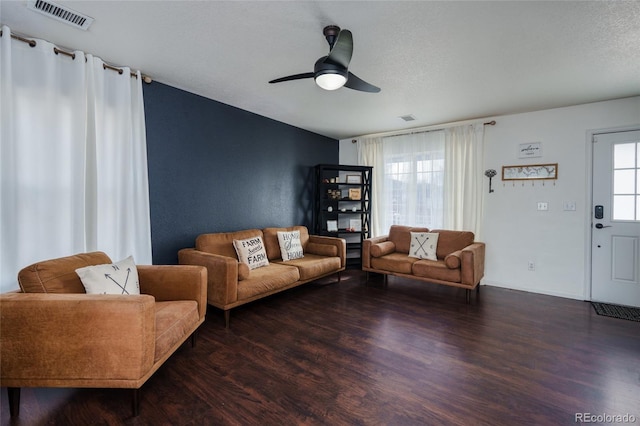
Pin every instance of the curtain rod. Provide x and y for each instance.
(426, 129)
(72, 55)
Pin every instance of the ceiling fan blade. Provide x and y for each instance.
(342, 50)
(356, 83)
(293, 77)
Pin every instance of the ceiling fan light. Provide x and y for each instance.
(330, 81)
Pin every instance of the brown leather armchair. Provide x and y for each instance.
(53, 335)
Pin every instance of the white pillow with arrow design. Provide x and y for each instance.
(116, 278)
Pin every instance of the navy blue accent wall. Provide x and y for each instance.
(216, 168)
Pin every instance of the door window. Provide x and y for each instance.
(626, 182)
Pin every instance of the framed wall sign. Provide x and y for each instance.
(530, 150)
(355, 194)
(354, 179)
(533, 171)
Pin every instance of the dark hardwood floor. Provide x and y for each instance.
(356, 354)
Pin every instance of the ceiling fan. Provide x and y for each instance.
(331, 72)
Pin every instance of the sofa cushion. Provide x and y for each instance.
(453, 260)
(222, 243)
(290, 245)
(111, 278)
(423, 245)
(394, 262)
(251, 252)
(321, 249)
(383, 248)
(400, 235)
(267, 280)
(435, 269)
(450, 241)
(58, 275)
(174, 320)
(271, 239)
(313, 266)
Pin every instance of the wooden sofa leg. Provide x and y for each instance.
(227, 318)
(339, 275)
(14, 401)
(135, 402)
(468, 295)
(193, 339)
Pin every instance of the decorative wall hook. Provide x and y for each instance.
(490, 173)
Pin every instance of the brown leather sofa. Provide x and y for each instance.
(53, 335)
(231, 283)
(460, 259)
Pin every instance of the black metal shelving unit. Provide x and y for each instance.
(342, 206)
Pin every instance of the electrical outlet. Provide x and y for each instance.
(531, 266)
(543, 206)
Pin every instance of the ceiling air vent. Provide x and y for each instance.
(60, 13)
(409, 117)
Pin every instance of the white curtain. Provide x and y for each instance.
(408, 173)
(432, 179)
(370, 154)
(464, 195)
(73, 162)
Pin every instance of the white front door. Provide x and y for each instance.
(615, 218)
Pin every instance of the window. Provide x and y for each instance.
(414, 180)
(426, 179)
(626, 182)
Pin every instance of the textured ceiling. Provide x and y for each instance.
(439, 61)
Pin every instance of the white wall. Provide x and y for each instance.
(514, 230)
(348, 152)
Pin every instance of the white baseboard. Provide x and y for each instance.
(532, 290)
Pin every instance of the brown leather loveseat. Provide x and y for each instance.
(459, 262)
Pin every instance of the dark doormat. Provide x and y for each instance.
(617, 311)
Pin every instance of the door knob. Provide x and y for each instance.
(600, 226)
